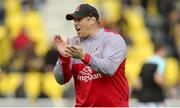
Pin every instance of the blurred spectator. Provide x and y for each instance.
(169, 30)
(50, 59)
(22, 41)
(33, 62)
(150, 90)
(122, 25)
(160, 16)
(22, 47)
(20, 93)
(0, 72)
(2, 13)
(153, 19)
(177, 37)
(32, 4)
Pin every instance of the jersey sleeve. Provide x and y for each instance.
(62, 71)
(113, 55)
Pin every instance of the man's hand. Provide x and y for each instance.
(62, 45)
(76, 51)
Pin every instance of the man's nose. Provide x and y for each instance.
(75, 23)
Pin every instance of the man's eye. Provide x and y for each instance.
(88, 18)
(77, 19)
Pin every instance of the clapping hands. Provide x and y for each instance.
(61, 45)
(66, 50)
(76, 51)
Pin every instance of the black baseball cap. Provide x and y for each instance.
(82, 11)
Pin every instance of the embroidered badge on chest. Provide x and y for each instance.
(86, 75)
(97, 50)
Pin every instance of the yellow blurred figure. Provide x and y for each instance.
(172, 72)
(2, 32)
(14, 80)
(141, 37)
(142, 53)
(142, 45)
(135, 21)
(12, 7)
(14, 17)
(32, 85)
(111, 10)
(132, 70)
(90, 1)
(5, 46)
(34, 25)
(14, 24)
(9, 83)
(51, 87)
(152, 7)
(4, 84)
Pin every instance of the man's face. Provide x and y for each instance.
(83, 26)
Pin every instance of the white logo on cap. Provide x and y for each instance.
(78, 8)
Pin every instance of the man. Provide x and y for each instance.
(151, 81)
(96, 60)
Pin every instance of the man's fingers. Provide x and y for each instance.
(60, 38)
(58, 44)
(69, 52)
(56, 40)
(72, 49)
(55, 37)
(59, 48)
(77, 48)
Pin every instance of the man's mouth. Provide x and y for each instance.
(77, 29)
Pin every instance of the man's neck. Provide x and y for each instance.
(94, 31)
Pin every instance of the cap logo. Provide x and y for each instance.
(78, 8)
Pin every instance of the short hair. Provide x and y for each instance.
(158, 46)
